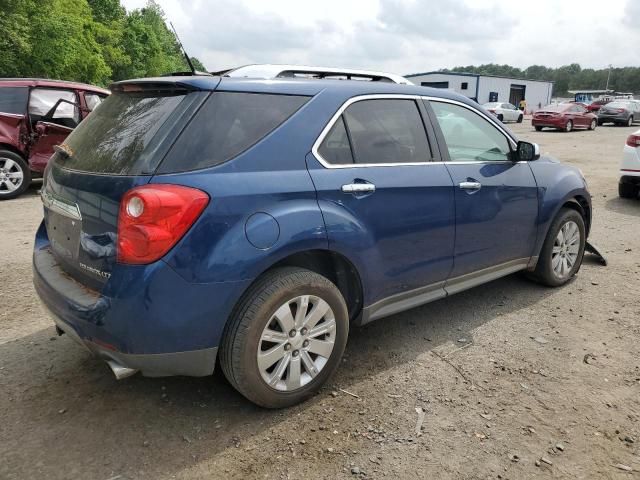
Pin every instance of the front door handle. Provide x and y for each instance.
(470, 185)
(358, 188)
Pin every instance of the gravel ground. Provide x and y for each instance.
(513, 380)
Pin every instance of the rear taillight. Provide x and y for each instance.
(492, 111)
(634, 140)
(153, 218)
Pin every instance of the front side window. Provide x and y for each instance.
(92, 100)
(42, 100)
(470, 137)
(387, 131)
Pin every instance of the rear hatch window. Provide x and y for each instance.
(129, 132)
(228, 124)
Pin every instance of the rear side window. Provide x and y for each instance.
(128, 133)
(227, 125)
(13, 100)
(335, 148)
(387, 131)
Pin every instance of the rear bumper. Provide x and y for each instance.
(196, 363)
(613, 118)
(146, 318)
(548, 122)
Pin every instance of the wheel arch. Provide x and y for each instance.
(332, 265)
(12, 149)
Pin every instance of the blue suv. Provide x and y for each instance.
(195, 220)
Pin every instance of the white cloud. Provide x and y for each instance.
(405, 36)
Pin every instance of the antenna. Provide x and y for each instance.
(186, 55)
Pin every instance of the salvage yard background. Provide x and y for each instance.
(515, 380)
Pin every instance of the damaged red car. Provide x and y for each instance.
(36, 115)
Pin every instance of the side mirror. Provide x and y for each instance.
(527, 152)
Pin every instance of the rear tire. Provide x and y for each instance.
(520, 118)
(630, 121)
(627, 190)
(500, 117)
(561, 256)
(265, 321)
(538, 129)
(568, 126)
(15, 175)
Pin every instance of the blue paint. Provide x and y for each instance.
(275, 200)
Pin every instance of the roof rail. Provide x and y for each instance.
(310, 72)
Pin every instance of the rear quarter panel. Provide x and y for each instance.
(269, 178)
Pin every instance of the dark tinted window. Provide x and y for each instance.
(387, 131)
(13, 100)
(226, 125)
(335, 147)
(127, 133)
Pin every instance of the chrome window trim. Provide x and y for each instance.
(399, 96)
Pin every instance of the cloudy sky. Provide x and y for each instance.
(407, 36)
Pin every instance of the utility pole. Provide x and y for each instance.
(608, 77)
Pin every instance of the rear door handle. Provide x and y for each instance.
(470, 185)
(358, 188)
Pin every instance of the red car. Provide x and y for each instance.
(564, 116)
(35, 115)
(597, 105)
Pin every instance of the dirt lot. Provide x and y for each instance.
(507, 374)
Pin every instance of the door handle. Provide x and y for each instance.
(470, 185)
(358, 188)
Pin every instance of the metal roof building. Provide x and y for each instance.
(489, 88)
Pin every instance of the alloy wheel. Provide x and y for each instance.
(11, 176)
(569, 126)
(565, 249)
(296, 343)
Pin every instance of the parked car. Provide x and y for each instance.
(35, 115)
(564, 116)
(596, 105)
(620, 112)
(629, 185)
(200, 220)
(505, 112)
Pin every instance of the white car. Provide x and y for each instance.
(629, 185)
(505, 111)
(306, 71)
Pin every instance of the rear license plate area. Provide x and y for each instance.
(64, 234)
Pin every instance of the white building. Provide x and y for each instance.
(489, 88)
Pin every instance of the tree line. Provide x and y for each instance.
(91, 41)
(567, 77)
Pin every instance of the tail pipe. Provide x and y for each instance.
(120, 371)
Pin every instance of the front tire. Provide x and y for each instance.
(520, 118)
(568, 126)
(630, 121)
(285, 338)
(15, 175)
(501, 117)
(563, 249)
(538, 129)
(593, 124)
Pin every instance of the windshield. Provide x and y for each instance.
(127, 134)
